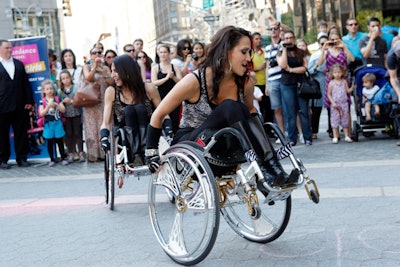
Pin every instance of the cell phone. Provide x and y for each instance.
(332, 44)
(287, 44)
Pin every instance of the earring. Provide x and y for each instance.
(230, 68)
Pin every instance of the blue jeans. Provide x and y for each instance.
(293, 105)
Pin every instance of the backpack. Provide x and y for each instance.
(40, 121)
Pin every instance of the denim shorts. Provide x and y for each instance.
(274, 89)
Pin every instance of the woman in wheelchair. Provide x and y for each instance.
(217, 95)
(129, 104)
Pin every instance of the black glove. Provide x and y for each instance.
(153, 163)
(105, 144)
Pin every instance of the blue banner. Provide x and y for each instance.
(33, 53)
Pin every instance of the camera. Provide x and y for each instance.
(195, 57)
(332, 44)
(287, 44)
(272, 62)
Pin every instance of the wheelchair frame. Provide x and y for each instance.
(200, 197)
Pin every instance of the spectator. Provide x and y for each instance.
(319, 74)
(220, 106)
(53, 130)
(293, 63)
(338, 91)
(259, 66)
(393, 64)
(130, 50)
(322, 26)
(99, 74)
(273, 86)
(138, 45)
(198, 54)
(55, 66)
(184, 59)
(334, 51)
(109, 55)
(146, 61)
(73, 119)
(16, 100)
(68, 61)
(373, 47)
(165, 75)
(173, 54)
(352, 39)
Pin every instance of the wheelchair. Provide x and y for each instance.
(214, 179)
(121, 162)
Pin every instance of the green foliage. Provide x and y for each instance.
(364, 15)
(311, 35)
(392, 21)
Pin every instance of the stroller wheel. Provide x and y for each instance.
(355, 130)
(396, 127)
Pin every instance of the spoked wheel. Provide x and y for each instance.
(355, 129)
(106, 176)
(186, 229)
(110, 159)
(396, 127)
(269, 225)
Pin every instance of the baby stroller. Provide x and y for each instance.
(388, 121)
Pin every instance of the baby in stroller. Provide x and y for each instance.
(368, 92)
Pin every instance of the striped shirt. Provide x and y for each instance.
(274, 71)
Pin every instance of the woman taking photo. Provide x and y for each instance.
(293, 62)
(217, 95)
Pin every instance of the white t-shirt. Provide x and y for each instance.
(370, 92)
(257, 93)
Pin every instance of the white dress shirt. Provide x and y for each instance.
(8, 64)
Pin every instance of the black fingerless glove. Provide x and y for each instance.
(105, 144)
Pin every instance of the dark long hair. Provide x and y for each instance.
(181, 45)
(129, 72)
(216, 55)
(63, 66)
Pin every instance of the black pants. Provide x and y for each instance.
(314, 118)
(19, 121)
(51, 145)
(135, 116)
(224, 115)
(73, 130)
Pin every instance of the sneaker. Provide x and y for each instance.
(64, 162)
(52, 163)
(70, 159)
(301, 138)
(335, 140)
(82, 158)
(348, 139)
(307, 143)
(278, 141)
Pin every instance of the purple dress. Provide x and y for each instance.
(330, 61)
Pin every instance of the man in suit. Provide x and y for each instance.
(16, 99)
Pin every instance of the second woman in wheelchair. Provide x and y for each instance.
(217, 95)
(130, 103)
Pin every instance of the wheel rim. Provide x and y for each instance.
(269, 226)
(187, 177)
(111, 180)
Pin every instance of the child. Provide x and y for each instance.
(73, 123)
(53, 130)
(337, 94)
(368, 93)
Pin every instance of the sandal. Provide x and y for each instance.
(314, 136)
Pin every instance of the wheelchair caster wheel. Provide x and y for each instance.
(255, 212)
(314, 196)
(120, 182)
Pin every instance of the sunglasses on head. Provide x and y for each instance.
(130, 50)
(97, 52)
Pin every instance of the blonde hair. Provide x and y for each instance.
(47, 82)
(337, 66)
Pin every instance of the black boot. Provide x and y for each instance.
(271, 164)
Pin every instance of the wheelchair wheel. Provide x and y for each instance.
(110, 159)
(186, 229)
(267, 227)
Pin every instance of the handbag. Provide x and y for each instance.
(308, 87)
(87, 94)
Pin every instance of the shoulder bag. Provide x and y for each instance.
(308, 87)
(87, 93)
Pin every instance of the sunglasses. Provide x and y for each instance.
(97, 53)
(273, 28)
(186, 48)
(130, 50)
(352, 24)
